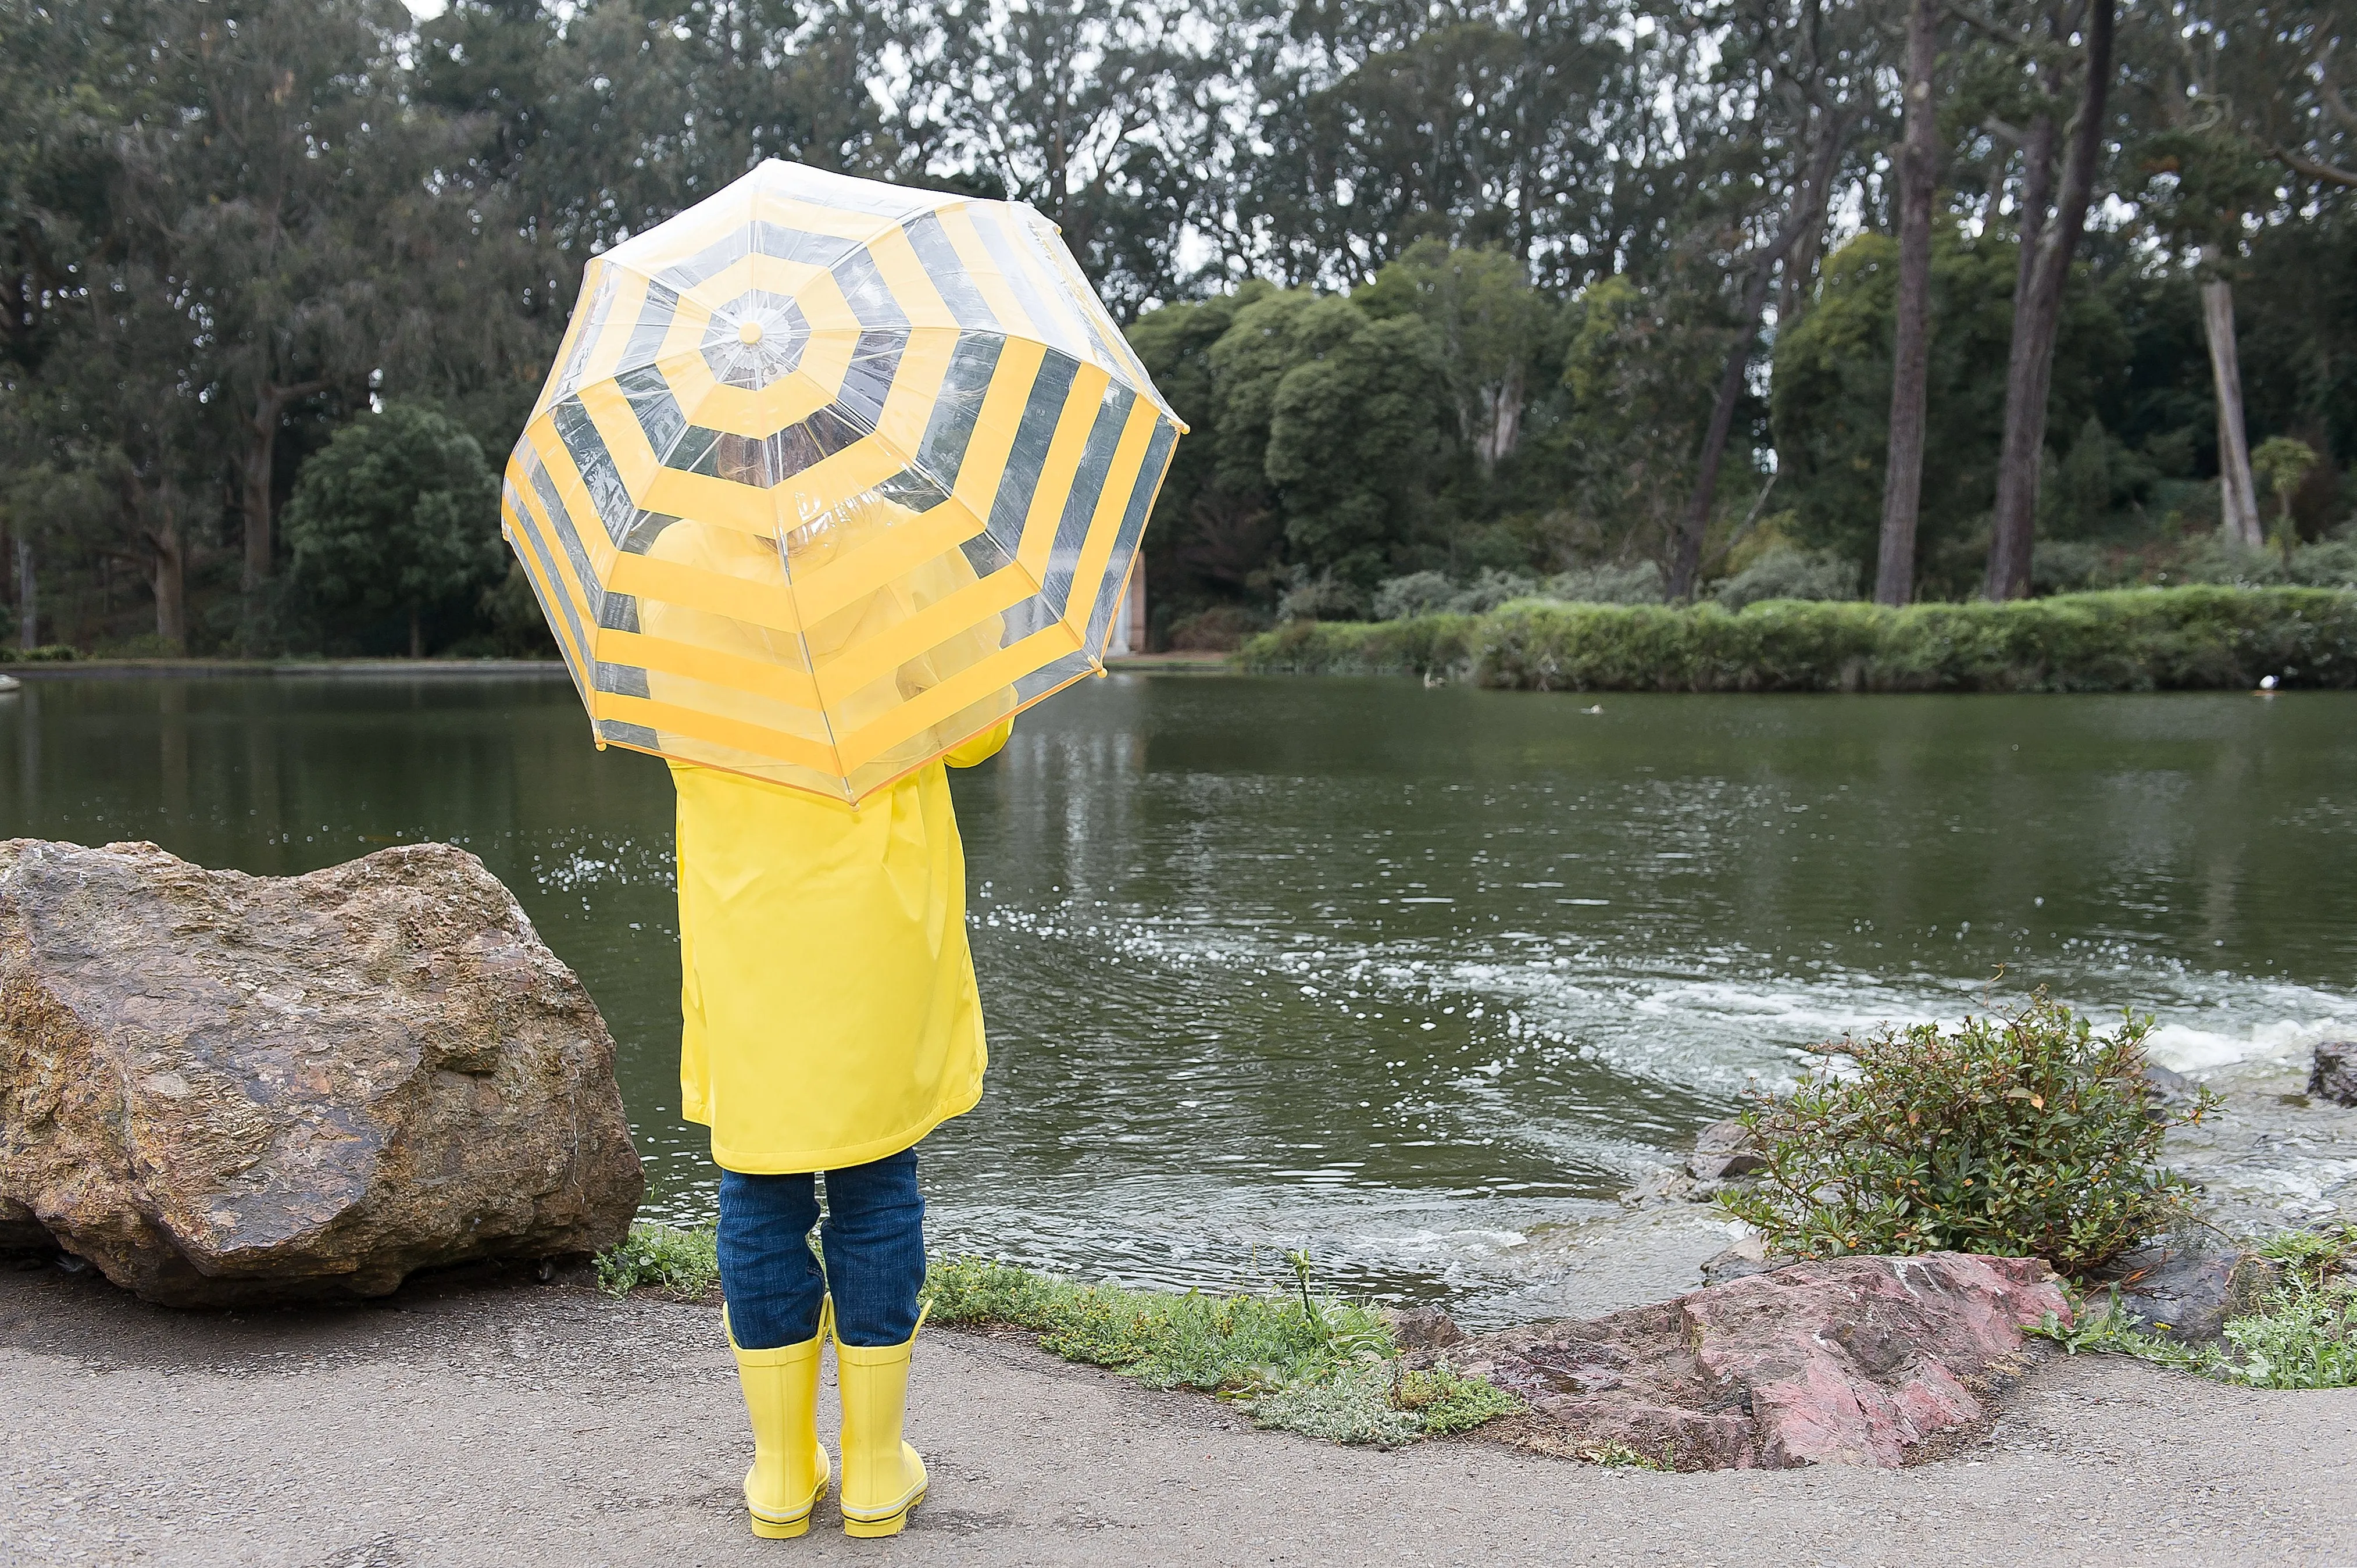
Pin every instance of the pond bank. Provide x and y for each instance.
(469, 1422)
(2135, 639)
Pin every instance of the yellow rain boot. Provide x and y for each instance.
(883, 1477)
(790, 1470)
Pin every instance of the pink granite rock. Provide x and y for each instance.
(1845, 1360)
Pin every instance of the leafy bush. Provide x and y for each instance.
(1786, 572)
(1219, 629)
(1606, 584)
(2027, 1135)
(667, 1258)
(1426, 645)
(1328, 1369)
(1417, 594)
(2134, 640)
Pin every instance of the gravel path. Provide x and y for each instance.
(486, 1422)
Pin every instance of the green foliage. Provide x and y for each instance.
(2301, 1334)
(2022, 1134)
(1328, 1369)
(2132, 640)
(2282, 463)
(1831, 398)
(2304, 1335)
(665, 1257)
(1784, 572)
(399, 511)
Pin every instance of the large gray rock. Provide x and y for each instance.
(1866, 1361)
(223, 1088)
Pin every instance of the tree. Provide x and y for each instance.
(1911, 356)
(399, 512)
(1801, 71)
(2205, 178)
(1830, 397)
(1338, 415)
(1640, 370)
(1491, 327)
(260, 195)
(2067, 63)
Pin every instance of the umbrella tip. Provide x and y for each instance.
(749, 333)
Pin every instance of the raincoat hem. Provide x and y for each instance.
(749, 1164)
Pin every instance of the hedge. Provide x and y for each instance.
(2132, 639)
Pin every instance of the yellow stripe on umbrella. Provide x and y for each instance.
(833, 476)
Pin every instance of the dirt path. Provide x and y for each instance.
(491, 1422)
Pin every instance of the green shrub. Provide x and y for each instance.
(667, 1258)
(1436, 644)
(2027, 1135)
(2131, 639)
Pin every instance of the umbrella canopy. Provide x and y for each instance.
(832, 476)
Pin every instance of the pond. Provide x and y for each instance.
(1400, 975)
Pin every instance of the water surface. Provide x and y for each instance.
(1402, 975)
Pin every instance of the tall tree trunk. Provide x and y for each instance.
(1807, 211)
(255, 468)
(1911, 349)
(2238, 496)
(2048, 245)
(28, 604)
(1686, 566)
(167, 577)
(417, 635)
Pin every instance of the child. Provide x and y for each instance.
(831, 1021)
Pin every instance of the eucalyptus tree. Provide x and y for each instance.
(1774, 121)
(2048, 71)
(262, 196)
(1525, 125)
(1096, 112)
(1918, 178)
(2206, 181)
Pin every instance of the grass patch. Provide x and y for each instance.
(1326, 1368)
(2303, 1333)
(667, 1258)
(2132, 639)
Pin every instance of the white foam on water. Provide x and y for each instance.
(2189, 1049)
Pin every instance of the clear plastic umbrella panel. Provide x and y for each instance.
(832, 476)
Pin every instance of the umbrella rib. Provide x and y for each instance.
(802, 635)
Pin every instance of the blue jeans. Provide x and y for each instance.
(875, 1244)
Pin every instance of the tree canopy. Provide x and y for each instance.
(1492, 289)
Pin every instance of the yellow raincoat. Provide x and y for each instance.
(830, 1014)
(828, 993)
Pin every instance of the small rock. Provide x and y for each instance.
(1725, 1150)
(1866, 1361)
(2334, 1075)
(221, 1088)
(2163, 1087)
(1746, 1258)
(1665, 1184)
(1425, 1328)
(2187, 1293)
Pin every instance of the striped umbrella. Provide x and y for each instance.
(832, 476)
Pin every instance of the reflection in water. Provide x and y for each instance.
(1405, 974)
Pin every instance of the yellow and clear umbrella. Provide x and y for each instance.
(832, 476)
